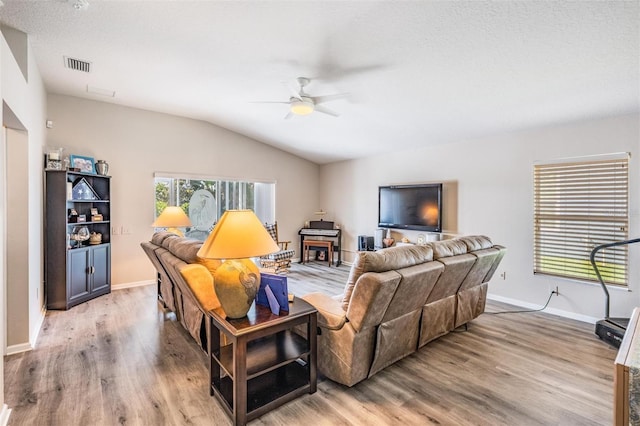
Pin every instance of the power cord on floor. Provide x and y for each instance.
(525, 310)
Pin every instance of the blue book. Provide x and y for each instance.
(278, 286)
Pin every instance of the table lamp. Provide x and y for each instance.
(237, 237)
(171, 218)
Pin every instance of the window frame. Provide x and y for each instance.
(580, 203)
(264, 193)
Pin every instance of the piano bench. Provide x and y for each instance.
(315, 244)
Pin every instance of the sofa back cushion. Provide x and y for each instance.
(388, 259)
(185, 249)
(448, 248)
(371, 297)
(159, 237)
(476, 242)
(414, 288)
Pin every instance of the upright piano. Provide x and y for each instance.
(325, 229)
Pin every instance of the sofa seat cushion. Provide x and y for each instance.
(330, 312)
(389, 259)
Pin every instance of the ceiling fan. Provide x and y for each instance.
(302, 103)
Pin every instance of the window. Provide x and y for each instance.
(578, 205)
(204, 200)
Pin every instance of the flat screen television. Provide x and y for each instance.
(411, 207)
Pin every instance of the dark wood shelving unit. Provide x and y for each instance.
(75, 274)
(265, 364)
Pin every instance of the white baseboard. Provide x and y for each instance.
(132, 284)
(4, 415)
(553, 311)
(16, 349)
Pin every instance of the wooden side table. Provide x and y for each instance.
(265, 364)
(309, 244)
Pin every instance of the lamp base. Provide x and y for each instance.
(236, 283)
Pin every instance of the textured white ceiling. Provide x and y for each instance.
(417, 72)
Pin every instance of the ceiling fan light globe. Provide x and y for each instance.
(302, 107)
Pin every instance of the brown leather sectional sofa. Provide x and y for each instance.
(396, 300)
(185, 283)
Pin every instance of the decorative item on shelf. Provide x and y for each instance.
(388, 241)
(83, 191)
(171, 218)
(80, 234)
(95, 216)
(66, 163)
(421, 240)
(237, 237)
(54, 158)
(95, 238)
(102, 167)
(404, 240)
(82, 163)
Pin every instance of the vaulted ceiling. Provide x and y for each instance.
(414, 73)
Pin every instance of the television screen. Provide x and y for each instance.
(411, 207)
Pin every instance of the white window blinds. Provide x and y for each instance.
(577, 206)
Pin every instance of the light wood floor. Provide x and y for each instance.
(120, 359)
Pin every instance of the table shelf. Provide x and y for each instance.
(266, 354)
(268, 388)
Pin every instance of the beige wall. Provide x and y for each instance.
(495, 197)
(136, 143)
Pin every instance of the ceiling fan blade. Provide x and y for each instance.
(326, 111)
(268, 102)
(289, 116)
(294, 93)
(327, 98)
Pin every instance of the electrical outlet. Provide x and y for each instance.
(503, 275)
(556, 291)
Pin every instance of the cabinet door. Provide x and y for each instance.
(101, 276)
(78, 273)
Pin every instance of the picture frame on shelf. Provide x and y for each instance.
(82, 163)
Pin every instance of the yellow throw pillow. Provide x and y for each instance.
(200, 280)
(211, 264)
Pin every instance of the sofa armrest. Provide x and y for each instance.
(330, 313)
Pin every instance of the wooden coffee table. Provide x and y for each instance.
(264, 363)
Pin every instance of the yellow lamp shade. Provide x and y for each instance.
(171, 218)
(238, 235)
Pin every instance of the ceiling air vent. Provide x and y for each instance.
(77, 64)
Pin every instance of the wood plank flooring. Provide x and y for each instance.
(120, 359)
